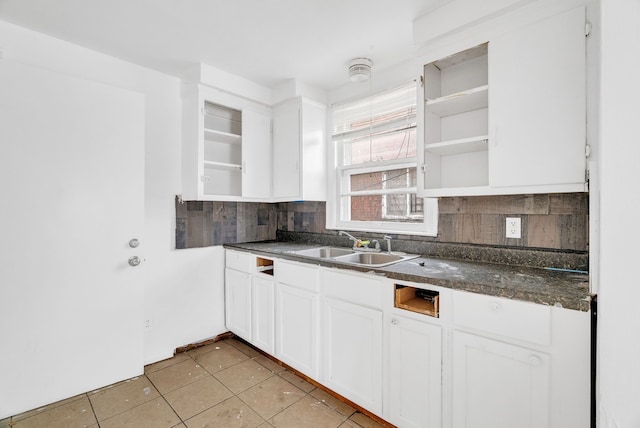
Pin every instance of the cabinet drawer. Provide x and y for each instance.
(505, 317)
(297, 274)
(358, 289)
(239, 261)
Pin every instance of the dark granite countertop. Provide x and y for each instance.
(548, 287)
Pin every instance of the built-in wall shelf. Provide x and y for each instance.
(212, 135)
(462, 145)
(455, 146)
(459, 102)
(222, 165)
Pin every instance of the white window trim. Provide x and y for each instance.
(334, 197)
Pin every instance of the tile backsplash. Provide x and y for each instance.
(549, 221)
(207, 223)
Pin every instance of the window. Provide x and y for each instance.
(374, 143)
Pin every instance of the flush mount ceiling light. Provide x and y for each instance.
(360, 69)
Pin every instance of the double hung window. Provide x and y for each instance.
(374, 143)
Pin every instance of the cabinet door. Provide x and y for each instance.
(286, 150)
(238, 303)
(262, 299)
(537, 104)
(296, 328)
(256, 154)
(415, 350)
(498, 385)
(352, 352)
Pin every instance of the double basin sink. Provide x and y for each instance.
(354, 257)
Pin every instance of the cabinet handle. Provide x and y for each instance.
(535, 361)
(394, 321)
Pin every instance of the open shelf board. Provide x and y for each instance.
(221, 137)
(463, 145)
(221, 165)
(460, 102)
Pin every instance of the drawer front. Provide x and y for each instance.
(297, 274)
(505, 317)
(359, 289)
(239, 261)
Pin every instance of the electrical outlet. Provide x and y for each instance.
(514, 228)
(147, 324)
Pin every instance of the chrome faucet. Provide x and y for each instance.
(388, 239)
(359, 244)
(355, 240)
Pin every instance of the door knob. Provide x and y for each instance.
(134, 261)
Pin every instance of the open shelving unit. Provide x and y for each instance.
(222, 134)
(456, 122)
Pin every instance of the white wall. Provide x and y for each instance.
(619, 288)
(183, 289)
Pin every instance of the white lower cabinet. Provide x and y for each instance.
(262, 312)
(297, 317)
(352, 352)
(237, 298)
(249, 299)
(518, 364)
(461, 360)
(498, 385)
(415, 373)
(352, 336)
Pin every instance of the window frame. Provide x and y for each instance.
(337, 174)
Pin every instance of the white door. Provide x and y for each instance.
(352, 350)
(537, 103)
(499, 385)
(415, 369)
(286, 150)
(256, 154)
(72, 179)
(237, 286)
(262, 312)
(296, 328)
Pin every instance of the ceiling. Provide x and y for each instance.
(266, 41)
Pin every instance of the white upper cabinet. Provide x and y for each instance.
(299, 134)
(456, 122)
(508, 116)
(538, 105)
(226, 146)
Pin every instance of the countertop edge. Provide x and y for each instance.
(578, 300)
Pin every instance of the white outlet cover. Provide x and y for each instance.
(514, 228)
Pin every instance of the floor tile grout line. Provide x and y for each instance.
(237, 395)
(174, 411)
(165, 400)
(217, 404)
(124, 411)
(273, 416)
(92, 409)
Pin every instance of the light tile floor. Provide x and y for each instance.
(225, 384)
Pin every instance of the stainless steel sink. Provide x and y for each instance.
(373, 259)
(352, 257)
(324, 252)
